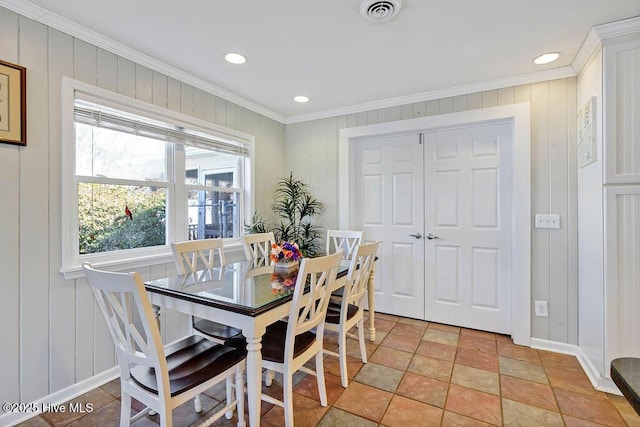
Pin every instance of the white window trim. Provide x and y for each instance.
(131, 258)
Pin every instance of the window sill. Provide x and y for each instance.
(233, 250)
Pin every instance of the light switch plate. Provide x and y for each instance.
(547, 221)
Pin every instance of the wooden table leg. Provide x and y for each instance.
(254, 379)
(371, 293)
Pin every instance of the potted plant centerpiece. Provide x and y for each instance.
(294, 206)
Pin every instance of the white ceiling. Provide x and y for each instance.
(325, 50)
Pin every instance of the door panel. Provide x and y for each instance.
(389, 205)
(468, 208)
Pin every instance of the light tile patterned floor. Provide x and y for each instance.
(419, 374)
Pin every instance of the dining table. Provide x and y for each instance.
(244, 295)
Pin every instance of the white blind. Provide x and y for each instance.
(98, 115)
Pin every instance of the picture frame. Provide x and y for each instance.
(587, 135)
(13, 104)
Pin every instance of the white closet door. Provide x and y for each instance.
(389, 205)
(468, 217)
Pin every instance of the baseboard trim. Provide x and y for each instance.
(61, 396)
(597, 381)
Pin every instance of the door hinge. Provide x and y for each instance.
(421, 138)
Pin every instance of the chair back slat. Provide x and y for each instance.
(258, 246)
(347, 240)
(359, 272)
(308, 310)
(189, 254)
(117, 294)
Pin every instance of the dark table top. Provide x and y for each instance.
(238, 287)
(625, 373)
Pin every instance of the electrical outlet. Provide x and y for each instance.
(542, 309)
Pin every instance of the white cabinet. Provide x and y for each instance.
(622, 272)
(622, 111)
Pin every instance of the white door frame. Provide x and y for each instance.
(518, 115)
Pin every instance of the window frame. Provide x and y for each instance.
(177, 200)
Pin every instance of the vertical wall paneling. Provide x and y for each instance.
(34, 217)
(460, 103)
(552, 179)
(210, 108)
(10, 235)
(474, 101)
(540, 202)
(571, 221)
(433, 107)
(373, 117)
(63, 293)
(558, 203)
(126, 77)
(198, 104)
(230, 115)
(420, 109)
(160, 88)
(173, 94)
(505, 96)
(406, 112)
(446, 105)
(522, 93)
(490, 99)
(107, 70)
(144, 84)
(186, 99)
(221, 111)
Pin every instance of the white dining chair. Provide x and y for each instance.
(344, 314)
(287, 346)
(343, 239)
(258, 246)
(191, 256)
(162, 378)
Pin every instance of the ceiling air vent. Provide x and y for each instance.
(380, 10)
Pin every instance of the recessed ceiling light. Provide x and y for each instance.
(301, 98)
(546, 58)
(235, 58)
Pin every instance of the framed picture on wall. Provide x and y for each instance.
(13, 104)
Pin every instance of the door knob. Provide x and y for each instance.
(431, 236)
(417, 235)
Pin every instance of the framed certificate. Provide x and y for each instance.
(13, 104)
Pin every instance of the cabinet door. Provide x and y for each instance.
(621, 111)
(622, 272)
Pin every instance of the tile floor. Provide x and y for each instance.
(419, 374)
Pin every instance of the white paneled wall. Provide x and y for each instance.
(53, 334)
(312, 149)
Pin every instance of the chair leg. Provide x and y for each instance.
(125, 409)
(322, 389)
(229, 414)
(197, 403)
(342, 354)
(166, 418)
(268, 377)
(363, 347)
(240, 398)
(287, 398)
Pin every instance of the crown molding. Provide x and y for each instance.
(598, 34)
(618, 28)
(46, 17)
(552, 74)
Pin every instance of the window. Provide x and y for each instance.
(137, 177)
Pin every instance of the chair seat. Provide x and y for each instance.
(190, 362)
(333, 312)
(273, 342)
(215, 329)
